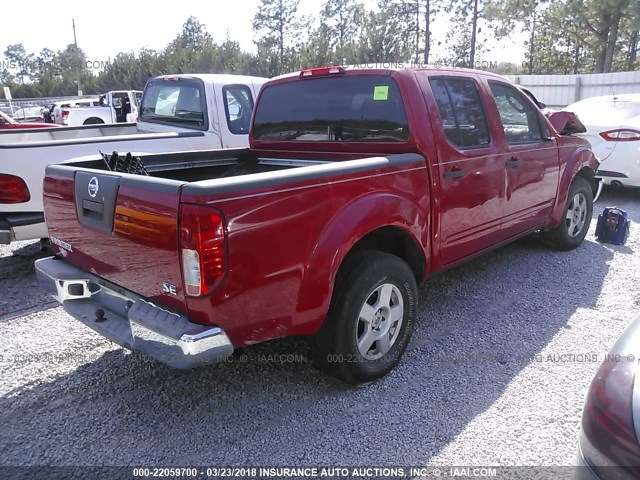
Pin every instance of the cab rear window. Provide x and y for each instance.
(340, 109)
(175, 102)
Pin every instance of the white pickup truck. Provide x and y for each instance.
(112, 107)
(57, 107)
(177, 113)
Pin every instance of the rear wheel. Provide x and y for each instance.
(370, 320)
(576, 219)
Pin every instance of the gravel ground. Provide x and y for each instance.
(466, 393)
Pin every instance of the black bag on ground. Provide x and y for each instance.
(613, 226)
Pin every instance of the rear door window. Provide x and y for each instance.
(175, 102)
(238, 105)
(461, 111)
(364, 108)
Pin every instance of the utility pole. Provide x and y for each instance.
(417, 32)
(531, 41)
(75, 42)
(474, 28)
(427, 33)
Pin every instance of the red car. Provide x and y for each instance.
(8, 123)
(358, 186)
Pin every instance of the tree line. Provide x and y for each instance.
(561, 36)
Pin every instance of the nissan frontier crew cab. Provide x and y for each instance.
(358, 186)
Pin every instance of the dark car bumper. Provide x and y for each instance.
(583, 471)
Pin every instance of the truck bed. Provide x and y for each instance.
(196, 166)
(220, 172)
(70, 133)
(82, 135)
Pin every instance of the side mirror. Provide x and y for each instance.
(2, 121)
(542, 105)
(117, 103)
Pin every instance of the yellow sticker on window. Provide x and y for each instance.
(381, 93)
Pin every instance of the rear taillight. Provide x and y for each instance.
(13, 189)
(621, 135)
(202, 243)
(608, 432)
(65, 113)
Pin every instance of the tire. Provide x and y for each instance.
(370, 287)
(571, 231)
(93, 121)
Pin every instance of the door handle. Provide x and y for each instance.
(453, 173)
(513, 162)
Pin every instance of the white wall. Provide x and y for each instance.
(561, 90)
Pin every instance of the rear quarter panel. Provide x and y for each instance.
(286, 243)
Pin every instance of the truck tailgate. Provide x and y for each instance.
(120, 227)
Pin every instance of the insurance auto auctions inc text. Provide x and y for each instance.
(377, 472)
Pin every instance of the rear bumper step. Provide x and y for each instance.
(129, 320)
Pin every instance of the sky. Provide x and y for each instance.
(105, 29)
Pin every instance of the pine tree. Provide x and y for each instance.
(279, 29)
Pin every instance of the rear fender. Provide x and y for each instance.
(581, 162)
(352, 223)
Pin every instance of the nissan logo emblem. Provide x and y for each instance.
(93, 187)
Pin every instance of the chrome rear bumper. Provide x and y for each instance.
(129, 320)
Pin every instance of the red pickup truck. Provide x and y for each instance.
(8, 123)
(357, 186)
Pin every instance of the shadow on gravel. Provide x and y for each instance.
(618, 248)
(18, 280)
(20, 263)
(479, 325)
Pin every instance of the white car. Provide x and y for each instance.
(613, 129)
